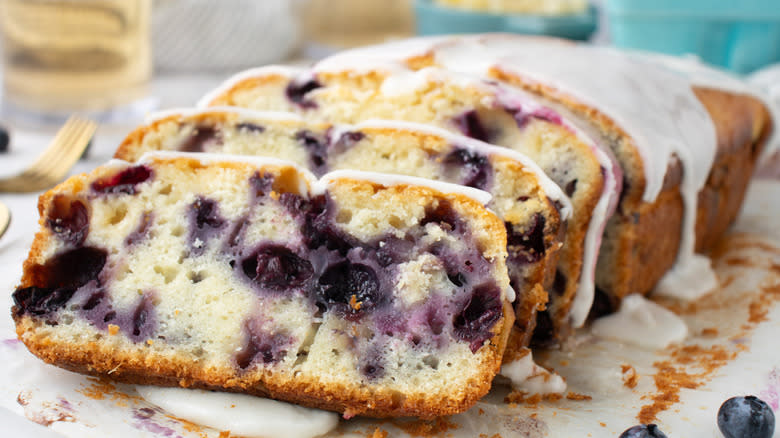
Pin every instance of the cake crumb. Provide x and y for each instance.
(630, 376)
(354, 303)
(578, 397)
(113, 329)
(709, 332)
(426, 428)
(602, 424)
(224, 434)
(515, 397)
(274, 195)
(149, 341)
(379, 433)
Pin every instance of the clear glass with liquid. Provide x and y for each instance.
(65, 56)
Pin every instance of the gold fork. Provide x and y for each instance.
(56, 161)
(5, 218)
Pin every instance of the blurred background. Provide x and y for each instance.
(116, 60)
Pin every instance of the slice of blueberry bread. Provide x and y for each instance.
(474, 107)
(533, 208)
(686, 136)
(359, 292)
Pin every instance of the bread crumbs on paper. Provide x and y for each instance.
(630, 376)
(379, 433)
(578, 397)
(427, 428)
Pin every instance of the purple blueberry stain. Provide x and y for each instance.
(297, 91)
(372, 364)
(570, 187)
(472, 169)
(58, 279)
(443, 215)
(771, 394)
(262, 185)
(527, 246)
(347, 139)
(250, 127)
(317, 147)
(262, 346)
(142, 322)
(522, 118)
(477, 316)
(123, 182)
(68, 219)
(11, 342)
(141, 231)
(203, 137)
(144, 417)
(470, 125)
(205, 223)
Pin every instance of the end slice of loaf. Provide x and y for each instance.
(254, 277)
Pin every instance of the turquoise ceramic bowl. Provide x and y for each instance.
(741, 35)
(438, 20)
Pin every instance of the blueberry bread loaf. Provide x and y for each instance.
(533, 208)
(359, 292)
(351, 92)
(685, 154)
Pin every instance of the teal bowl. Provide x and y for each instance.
(739, 35)
(433, 19)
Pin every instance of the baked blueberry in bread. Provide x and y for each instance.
(533, 208)
(359, 292)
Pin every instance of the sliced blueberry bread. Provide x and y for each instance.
(686, 137)
(479, 109)
(533, 208)
(359, 292)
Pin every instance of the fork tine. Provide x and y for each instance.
(76, 148)
(52, 158)
(62, 159)
(54, 145)
(54, 163)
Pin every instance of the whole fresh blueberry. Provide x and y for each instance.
(643, 431)
(748, 416)
(5, 139)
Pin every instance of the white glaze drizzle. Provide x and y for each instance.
(390, 58)
(764, 88)
(655, 106)
(241, 414)
(641, 322)
(389, 180)
(768, 80)
(269, 70)
(274, 116)
(528, 377)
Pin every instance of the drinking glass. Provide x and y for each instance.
(65, 56)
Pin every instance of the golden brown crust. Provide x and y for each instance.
(224, 99)
(144, 367)
(641, 241)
